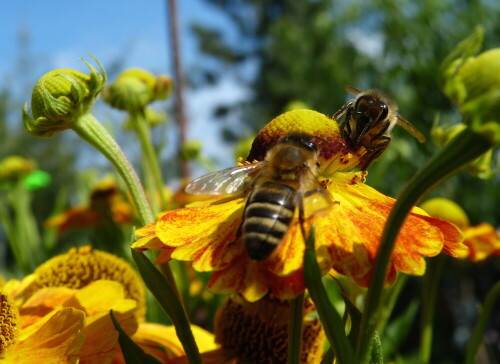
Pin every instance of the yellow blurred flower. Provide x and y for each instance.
(347, 235)
(483, 240)
(15, 167)
(105, 203)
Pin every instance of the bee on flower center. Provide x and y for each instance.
(285, 181)
(368, 122)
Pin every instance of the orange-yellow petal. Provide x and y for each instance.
(58, 341)
(147, 238)
(42, 302)
(360, 217)
(205, 235)
(483, 240)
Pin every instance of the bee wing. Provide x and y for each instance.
(406, 125)
(352, 90)
(315, 197)
(226, 182)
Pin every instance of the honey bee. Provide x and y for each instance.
(286, 180)
(368, 122)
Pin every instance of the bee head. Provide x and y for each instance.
(370, 108)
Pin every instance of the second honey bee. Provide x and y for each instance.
(286, 180)
(368, 122)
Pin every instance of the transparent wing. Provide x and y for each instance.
(352, 90)
(406, 125)
(226, 182)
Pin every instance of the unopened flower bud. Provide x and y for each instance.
(60, 97)
(473, 83)
(135, 88)
(191, 150)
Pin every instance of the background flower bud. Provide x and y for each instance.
(473, 83)
(135, 88)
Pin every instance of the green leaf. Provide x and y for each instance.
(330, 318)
(167, 297)
(398, 329)
(132, 352)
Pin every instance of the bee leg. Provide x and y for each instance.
(321, 191)
(375, 151)
(300, 205)
(238, 235)
(342, 111)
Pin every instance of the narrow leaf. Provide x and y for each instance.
(132, 352)
(167, 297)
(330, 318)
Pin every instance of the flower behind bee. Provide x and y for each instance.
(347, 233)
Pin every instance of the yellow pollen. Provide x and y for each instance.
(9, 320)
(258, 332)
(81, 266)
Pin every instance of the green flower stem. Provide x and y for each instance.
(390, 299)
(91, 130)
(151, 157)
(429, 295)
(477, 335)
(26, 229)
(295, 330)
(463, 149)
(155, 189)
(330, 318)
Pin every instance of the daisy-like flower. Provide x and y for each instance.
(483, 240)
(347, 233)
(60, 313)
(77, 269)
(63, 325)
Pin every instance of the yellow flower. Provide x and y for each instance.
(14, 167)
(63, 325)
(483, 240)
(347, 234)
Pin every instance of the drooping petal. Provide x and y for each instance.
(205, 235)
(58, 341)
(361, 214)
(483, 240)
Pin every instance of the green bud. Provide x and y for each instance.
(151, 116)
(60, 97)
(135, 88)
(473, 83)
(191, 150)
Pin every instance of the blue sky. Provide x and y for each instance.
(62, 31)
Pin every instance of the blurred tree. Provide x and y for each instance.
(288, 50)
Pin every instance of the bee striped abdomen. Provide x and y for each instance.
(268, 214)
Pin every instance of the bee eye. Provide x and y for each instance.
(383, 112)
